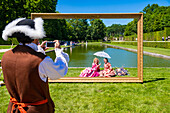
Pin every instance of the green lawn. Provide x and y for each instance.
(153, 96)
(1, 54)
(148, 49)
(6, 46)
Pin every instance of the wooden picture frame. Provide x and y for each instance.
(138, 16)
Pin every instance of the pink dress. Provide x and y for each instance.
(91, 72)
(108, 71)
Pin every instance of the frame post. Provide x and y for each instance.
(140, 48)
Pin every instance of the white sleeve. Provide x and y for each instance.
(40, 49)
(54, 70)
(60, 53)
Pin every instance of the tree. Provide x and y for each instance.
(131, 28)
(98, 29)
(155, 18)
(115, 30)
(79, 28)
(12, 9)
(56, 29)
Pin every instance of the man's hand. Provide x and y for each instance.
(43, 45)
(57, 44)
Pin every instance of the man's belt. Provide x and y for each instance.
(21, 105)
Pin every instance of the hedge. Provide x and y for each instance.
(147, 44)
(167, 31)
(152, 36)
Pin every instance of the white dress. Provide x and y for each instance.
(49, 68)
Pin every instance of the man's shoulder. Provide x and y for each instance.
(41, 55)
(7, 52)
(28, 50)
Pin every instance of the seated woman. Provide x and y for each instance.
(108, 71)
(92, 72)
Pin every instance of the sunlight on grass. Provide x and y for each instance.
(151, 96)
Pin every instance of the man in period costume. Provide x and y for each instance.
(26, 68)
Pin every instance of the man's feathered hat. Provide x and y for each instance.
(30, 28)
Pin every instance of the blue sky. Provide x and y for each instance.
(107, 6)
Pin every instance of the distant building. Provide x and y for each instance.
(114, 38)
(121, 38)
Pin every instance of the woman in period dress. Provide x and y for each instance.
(108, 71)
(92, 71)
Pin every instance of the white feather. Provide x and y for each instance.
(9, 26)
(36, 33)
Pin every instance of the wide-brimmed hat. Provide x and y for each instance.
(30, 28)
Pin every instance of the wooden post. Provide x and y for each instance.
(140, 48)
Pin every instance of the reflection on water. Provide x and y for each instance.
(82, 56)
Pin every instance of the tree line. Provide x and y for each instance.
(75, 29)
(12, 9)
(155, 19)
(62, 29)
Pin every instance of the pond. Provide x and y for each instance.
(82, 56)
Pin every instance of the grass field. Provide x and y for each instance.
(4, 47)
(153, 96)
(148, 49)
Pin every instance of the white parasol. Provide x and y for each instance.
(102, 54)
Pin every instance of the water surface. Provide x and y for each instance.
(82, 56)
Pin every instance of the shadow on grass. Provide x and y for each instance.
(92, 82)
(157, 79)
(153, 80)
